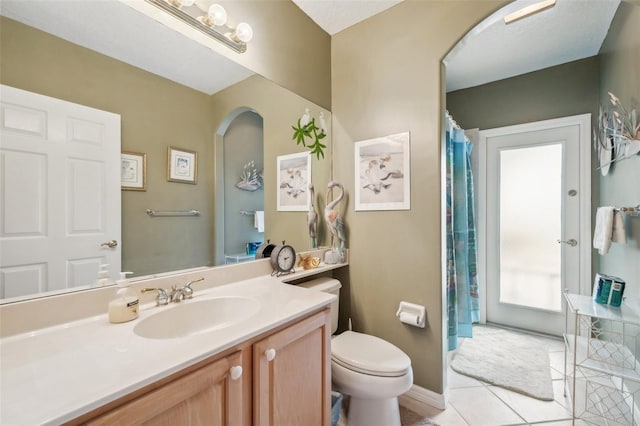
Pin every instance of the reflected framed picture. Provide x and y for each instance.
(382, 173)
(182, 165)
(133, 171)
(294, 176)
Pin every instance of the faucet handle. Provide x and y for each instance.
(162, 298)
(188, 291)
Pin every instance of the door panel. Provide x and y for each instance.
(60, 193)
(530, 172)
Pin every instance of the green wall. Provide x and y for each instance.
(560, 91)
(386, 79)
(620, 74)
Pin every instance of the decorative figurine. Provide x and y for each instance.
(308, 261)
(312, 219)
(335, 225)
(250, 179)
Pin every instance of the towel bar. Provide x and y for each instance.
(153, 213)
(629, 210)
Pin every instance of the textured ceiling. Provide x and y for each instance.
(334, 16)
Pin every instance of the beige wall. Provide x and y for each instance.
(620, 74)
(287, 47)
(280, 109)
(386, 78)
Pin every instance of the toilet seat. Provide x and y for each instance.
(369, 355)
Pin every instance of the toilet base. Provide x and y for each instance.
(373, 412)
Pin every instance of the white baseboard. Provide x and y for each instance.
(422, 401)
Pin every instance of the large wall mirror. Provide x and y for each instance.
(169, 92)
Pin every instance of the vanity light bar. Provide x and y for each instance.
(529, 10)
(236, 45)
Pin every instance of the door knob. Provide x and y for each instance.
(270, 354)
(571, 242)
(235, 372)
(110, 244)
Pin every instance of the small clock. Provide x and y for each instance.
(264, 250)
(283, 259)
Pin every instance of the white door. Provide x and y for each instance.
(60, 193)
(536, 228)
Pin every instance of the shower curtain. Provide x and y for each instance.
(462, 284)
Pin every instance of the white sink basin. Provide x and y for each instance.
(193, 317)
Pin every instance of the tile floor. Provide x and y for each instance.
(475, 403)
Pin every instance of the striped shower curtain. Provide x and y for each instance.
(462, 283)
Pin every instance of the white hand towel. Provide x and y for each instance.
(258, 220)
(603, 230)
(618, 234)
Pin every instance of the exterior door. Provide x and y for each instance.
(534, 226)
(60, 193)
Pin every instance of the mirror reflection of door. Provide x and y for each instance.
(59, 194)
(243, 165)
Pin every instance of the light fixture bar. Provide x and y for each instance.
(529, 10)
(237, 46)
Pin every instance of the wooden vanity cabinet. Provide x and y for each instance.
(292, 375)
(286, 380)
(210, 395)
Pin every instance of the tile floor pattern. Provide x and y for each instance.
(475, 403)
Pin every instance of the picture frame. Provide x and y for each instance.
(293, 179)
(382, 173)
(133, 171)
(182, 165)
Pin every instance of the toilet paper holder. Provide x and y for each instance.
(412, 314)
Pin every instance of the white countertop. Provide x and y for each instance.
(56, 374)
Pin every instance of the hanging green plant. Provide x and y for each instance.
(312, 132)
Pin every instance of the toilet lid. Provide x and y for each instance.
(369, 355)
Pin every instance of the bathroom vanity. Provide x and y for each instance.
(264, 366)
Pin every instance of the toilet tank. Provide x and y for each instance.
(327, 285)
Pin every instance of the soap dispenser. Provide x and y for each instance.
(103, 276)
(124, 307)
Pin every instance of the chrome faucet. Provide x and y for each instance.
(187, 290)
(162, 298)
(177, 294)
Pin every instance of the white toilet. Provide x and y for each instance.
(372, 371)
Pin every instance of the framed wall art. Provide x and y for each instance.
(133, 171)
(382, 173)
(182, 165)
(294, 176)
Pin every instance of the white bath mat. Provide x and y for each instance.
(507, 359)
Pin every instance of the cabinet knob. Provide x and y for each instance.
(235, 372)
(270, 354)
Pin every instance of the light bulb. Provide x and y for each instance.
(187, 3)
(243, 33)
(217, 15)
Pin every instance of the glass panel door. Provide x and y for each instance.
(530, 223)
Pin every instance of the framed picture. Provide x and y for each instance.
(182, 165)
(133, 171)
(294, 176)
(382, 173)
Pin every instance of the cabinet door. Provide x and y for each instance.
(292, 375)
(211, 395)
